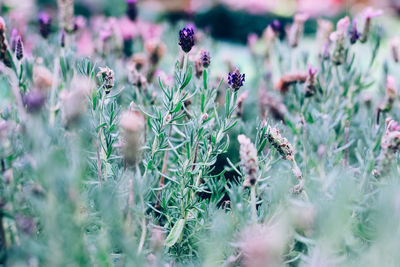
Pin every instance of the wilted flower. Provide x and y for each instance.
(271, 105)
(239, 103)
(4, 57)
(107, 78)
(62, 38)
(339, 37)
(354, 33)
(44, 24)
(66, 15)
(390, 144)
(205, 58)
(394, 45)
(369, 13)
(289, 79)
(131, 9)
(236, 79)
(13, 39)
(131, 124)
(311, 83)
(42, 77)
(248, 160)
(297, 29)
(280, 143)
(186, 39)
(390, 94)
(19, 49)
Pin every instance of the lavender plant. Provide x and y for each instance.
(129, 143)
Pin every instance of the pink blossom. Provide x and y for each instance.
(127, 28)
(343, 24)
(312, 71)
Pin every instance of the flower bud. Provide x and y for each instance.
(4, 56)
(107, 78)
(236, 79)
(354, 33)
(369, 13)
(297, 29)
(280, 143)
(205, 58)
(311, 83)
(186, 39)
(394, 45)
(248, 160)
(19, 50)
(131, 9)
(44, 24)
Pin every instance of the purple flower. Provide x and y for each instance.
(34, 101)
(276, 26)
(235, 79)
(312, 71)
(131, 9)
(354, 33)
(44, 24)
(19, 48)
(13, 39)
(205, 58)
(186, 39)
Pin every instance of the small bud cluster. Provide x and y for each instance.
(236, 79)
(107, 76)
(280, 143)
(248, 160)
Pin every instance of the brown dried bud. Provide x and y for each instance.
(289, 79)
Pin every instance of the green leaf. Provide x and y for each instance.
(205, 79)
(202, 100)
(230, 126)
(178, 107)
(187, 78)
(176, 233)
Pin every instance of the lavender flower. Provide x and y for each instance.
(34, 100)
(131, 124)
(276, 26)
(13, 39)
(19, 49)
(297, 29)
(248, 160)
(394, 45)
(44, 24)
(62, 38)
(131, 9)
(280, 143)
(107, 76)
(310, 84)
(369, 13)
(235, 79)
(4, 57)
(338, 37)
(186, 39)
(354, 33)
(205, 58)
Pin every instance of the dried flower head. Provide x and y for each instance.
(13, 40)
(280, 143)
(131, 124)
(236, 79)
(248, 160)
(354, 33)
(19, 49)
(131, 9)
(311, 82)
(394, 45)
(44, 24)
(4, 56)
(369, 13)
(289, 79)
(42, 77)
(297, 29)
(107, 78)
(186, 39)
(205, 58)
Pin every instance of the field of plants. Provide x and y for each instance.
(133, 139)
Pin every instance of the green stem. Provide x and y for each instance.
(253, 204)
